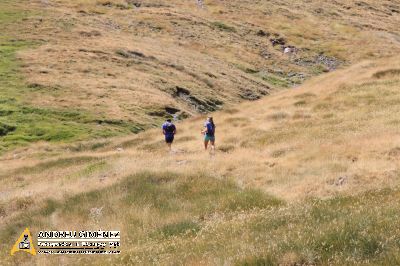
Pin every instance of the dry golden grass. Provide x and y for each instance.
(297, 176)
(336, 135)
(345, 125)
(91, 69)
(215, 53)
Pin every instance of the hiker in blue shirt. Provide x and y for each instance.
(169, 131)
(209, 133)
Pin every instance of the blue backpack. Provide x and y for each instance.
(169, 128)
(210, 129)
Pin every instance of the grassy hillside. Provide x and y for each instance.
(92, 69)
(306, 176)
(22, 121)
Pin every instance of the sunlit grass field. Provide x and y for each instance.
(74, 70)
(308, 175)
(171, 219)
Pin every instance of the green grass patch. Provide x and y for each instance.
(180, 228)
(319, 69)
(58, 163)
(222, 26)
(89, 146)
(6, 129)
(227, 148)
(276, 81)
(21, 123)
(306, 95)
(95, 167)
(300, 103)
(258, 261)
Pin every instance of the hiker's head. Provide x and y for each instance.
(210, 119)
(169, 120)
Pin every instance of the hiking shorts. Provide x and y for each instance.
(169, 139)
(209, 138)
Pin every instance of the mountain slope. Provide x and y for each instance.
(307, 176)
(104, 68)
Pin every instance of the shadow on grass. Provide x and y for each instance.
(160, 207)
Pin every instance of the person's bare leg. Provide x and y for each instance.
(169, 146)
(205, 144)
(213, 145)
